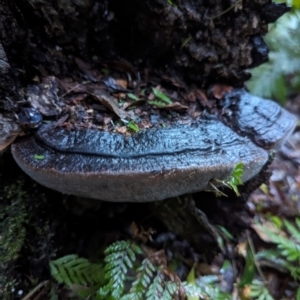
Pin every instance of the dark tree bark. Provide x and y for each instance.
(201, 41)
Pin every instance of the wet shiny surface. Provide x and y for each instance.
(30, 118)
(158, 163)
(264, 121)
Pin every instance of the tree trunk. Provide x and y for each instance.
(200, 41)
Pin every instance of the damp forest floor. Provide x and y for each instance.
(38, 225)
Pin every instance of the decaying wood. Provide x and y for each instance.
(200, 41)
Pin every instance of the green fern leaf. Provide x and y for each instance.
(294, 232)
(259, 291)
(192, 291)
(143, 278)
(120, 257)
(73, 270)
(156, 288)
(171, 290)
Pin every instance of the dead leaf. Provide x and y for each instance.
(191, 96)
(175, 81)
(159, 258)
(140, 233)
(9, 130)
(6, 143)
(241, 248)
(108, 101)
(44, 97)
(219, 90)
(135, 103)
(177, 106)
(269, 227)
(122, 83)
(121, 129)
(86, 69)
(107, 120)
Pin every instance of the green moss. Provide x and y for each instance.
(12, 231)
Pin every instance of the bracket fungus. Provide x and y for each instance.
(156, 164)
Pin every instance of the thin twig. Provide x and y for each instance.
(33, 291)
(253, 254)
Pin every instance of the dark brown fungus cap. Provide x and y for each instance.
(153, 164)
(264, 121)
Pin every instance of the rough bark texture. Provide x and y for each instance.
(202, 41)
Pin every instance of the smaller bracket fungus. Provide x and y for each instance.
(156, 164)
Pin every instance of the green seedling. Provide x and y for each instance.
(231, 182)
(161, 99)
(133, 97)
(133, 126)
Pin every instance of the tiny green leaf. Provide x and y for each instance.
(39, 156)
(132, 97)
(170, 2)
(162, 96)
(185, 42)
(249, 270)
(133, 127)
(236, 178)
(191, 280)
(105, 71)
(226, 232)
(157, 103)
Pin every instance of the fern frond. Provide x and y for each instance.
(171, 289)
(71, 269)
(120, 257)
(287, 248)
(156, 288)
(295, 271)
(290, 249)
(259, 291)
(297, 221)
(293, 230)
(192, 291)
(139, 286)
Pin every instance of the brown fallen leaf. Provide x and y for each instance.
(6, 143)
(269, 227)
(9, 130)
(86, 69)
(175, 81)
(135, 103)
(44, 97)
(121, 129)
(202, 98)
(177, 106)
(219, 90)
(109, 102)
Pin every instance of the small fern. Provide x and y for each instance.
(288, 248)
(259, 291)
(120, 256)
(149, 280)
(156, 288)
(143, 279)
(71, 269)
(231, 182)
